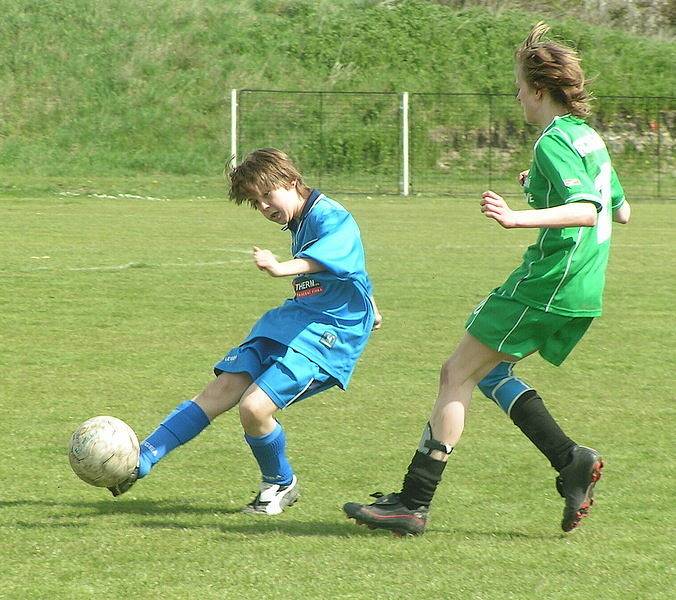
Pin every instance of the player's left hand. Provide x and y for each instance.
(378, 321)
(495, 207)
(266, 261)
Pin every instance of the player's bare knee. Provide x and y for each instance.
(222, 393)
(252, 411)
(448, 373)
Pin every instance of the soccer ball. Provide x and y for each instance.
(103, 451)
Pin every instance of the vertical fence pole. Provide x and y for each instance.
(404, 143)
(233, 128)
(658, 127)
(490, 141)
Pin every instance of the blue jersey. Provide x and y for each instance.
(331, 315)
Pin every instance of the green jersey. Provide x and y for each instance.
(564, 271)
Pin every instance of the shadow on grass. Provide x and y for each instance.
(250, 525)
(116, 507)
(167, 515)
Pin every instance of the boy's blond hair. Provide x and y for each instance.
(556, 68)
(261, 171)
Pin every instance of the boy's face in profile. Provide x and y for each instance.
(280, 205)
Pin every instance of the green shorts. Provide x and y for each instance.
(509, 326)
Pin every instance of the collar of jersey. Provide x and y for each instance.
(294, 225)
(554, 121)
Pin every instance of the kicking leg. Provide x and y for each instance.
(186, 421)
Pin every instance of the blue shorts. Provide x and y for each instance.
(282, 373)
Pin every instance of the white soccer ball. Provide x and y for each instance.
(103, 451)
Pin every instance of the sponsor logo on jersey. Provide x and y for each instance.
(571, 182)
(306, 286)
(328, 339)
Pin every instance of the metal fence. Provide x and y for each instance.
(459, 144)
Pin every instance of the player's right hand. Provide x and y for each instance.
(522, 176)
(494, 207)
(265, 260)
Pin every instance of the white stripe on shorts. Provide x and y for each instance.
(477, 310)
(504, 339)
(299, 394)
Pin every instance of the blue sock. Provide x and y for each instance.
(502, 386)
(268, 450)
(179, 427)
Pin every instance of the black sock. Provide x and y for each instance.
(421, 481)
(532, 417)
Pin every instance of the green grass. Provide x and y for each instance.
(121, 306)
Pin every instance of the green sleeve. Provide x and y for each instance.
(562, 166)
(616, 191)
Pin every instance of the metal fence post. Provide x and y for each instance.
(658, 126)
(233, 128)
(404, 143)
(490, 141)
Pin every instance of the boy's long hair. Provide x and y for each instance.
(261, 171)
(556, 68)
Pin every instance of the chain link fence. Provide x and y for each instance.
(457, 144)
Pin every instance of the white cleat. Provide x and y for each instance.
(273, 498)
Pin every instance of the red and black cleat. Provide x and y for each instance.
(388, 512)
(576, 484)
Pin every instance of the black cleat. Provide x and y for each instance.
(121, 488)
(576, 484)
(388, 512)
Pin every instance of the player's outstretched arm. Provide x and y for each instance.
(622, 214)
(267, 261)
(575, 214)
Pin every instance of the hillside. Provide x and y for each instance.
(121, 88)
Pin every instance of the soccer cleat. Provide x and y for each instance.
(576, 484)
(272, 498)
(388, 512)
(121, 488)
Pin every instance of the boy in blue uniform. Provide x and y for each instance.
(308, 344)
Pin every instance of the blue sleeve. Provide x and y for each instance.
(336, 244)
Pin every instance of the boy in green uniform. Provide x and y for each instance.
(544, 306)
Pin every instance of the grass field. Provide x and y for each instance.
(119, 305)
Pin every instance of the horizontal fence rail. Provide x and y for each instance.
(456, 144)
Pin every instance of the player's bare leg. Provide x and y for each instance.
(406, 513)
(222, 393)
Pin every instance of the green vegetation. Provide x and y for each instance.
(120, 306)
(124, 88)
